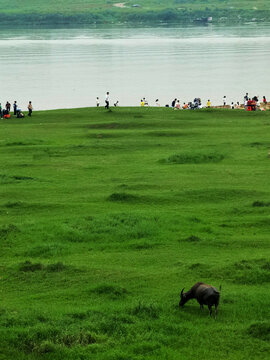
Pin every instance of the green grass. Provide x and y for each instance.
(150, 11)
(106, 216)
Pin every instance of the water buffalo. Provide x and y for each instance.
(204, 294)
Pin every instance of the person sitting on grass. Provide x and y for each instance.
(19, 114)
(264, 100)
(177, 105)
(145, 102)
(185, 106)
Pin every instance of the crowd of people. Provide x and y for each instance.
(17, 111)
(250, 104)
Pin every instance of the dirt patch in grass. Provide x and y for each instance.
(193, 158)
(260, 330)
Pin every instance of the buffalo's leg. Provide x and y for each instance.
(201, 307)
(216, 310)
(210, 309)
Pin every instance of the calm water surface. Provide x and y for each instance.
(67, 68)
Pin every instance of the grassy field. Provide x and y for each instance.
(106, 216)
(149, 11)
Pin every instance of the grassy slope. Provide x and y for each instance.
(101, 10)
(112, 230)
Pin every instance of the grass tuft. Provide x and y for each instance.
(260, 330)
(194, 158)
(113, 291)
(123, 197)
(28, 266)
(149, 311)
(260, 204)
(192, 238)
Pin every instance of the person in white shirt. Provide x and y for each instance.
(224, 100)
(97, 101)
(232, 105)
(157, 102)
(107, 101)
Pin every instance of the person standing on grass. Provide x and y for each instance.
(224, 100)
(264, 100)
(15, 108)
(208, 103)
(30, 108)
(97, 101)
(173, 103)
(107, 100)
(8, 106)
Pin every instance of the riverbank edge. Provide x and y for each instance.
(127, 17)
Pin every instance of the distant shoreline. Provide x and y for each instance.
(124, 16)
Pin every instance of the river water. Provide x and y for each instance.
(66, 68)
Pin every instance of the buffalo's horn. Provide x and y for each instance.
(182, 292)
